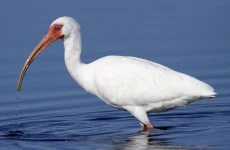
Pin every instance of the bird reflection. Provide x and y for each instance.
(145, 141)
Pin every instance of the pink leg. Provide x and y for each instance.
(146, 127)
(149, 125)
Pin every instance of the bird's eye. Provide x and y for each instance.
(57, 28)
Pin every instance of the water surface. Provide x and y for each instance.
(56, 113)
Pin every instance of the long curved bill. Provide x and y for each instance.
(45, 42)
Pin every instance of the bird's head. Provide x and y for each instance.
(61, 28)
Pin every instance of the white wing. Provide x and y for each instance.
(125, 81)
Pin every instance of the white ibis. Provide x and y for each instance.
(133, 84)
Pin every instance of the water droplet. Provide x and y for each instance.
(17, 112)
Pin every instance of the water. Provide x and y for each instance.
(55, 113)
(17, 112)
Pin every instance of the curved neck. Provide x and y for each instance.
(78, 70)
(72, 45)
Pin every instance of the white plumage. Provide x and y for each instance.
(139, 85)
(129, 83)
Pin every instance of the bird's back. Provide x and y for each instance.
(124, 81)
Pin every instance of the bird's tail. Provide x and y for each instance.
(209, 95)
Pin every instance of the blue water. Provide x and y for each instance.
(56, 113)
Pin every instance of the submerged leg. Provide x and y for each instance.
(146, 127)
(149, 125)
(141, 115)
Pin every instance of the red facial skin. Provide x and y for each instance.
(56, 30)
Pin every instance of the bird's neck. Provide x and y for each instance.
(72, 45)
(79, 71)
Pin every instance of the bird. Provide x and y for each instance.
(127, 83)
